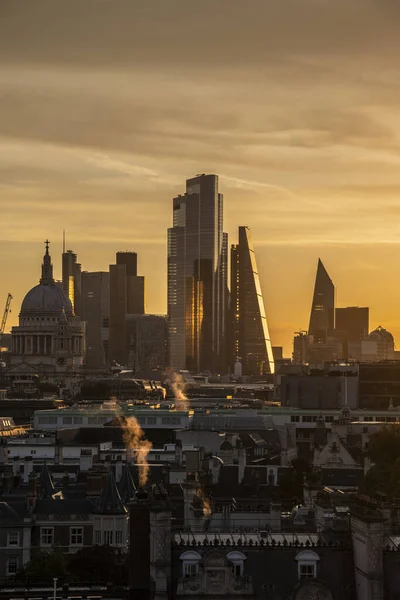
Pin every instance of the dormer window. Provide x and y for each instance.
(190, 563)
(236, 559)
(307, 562)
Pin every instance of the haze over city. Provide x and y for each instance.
(107, 107)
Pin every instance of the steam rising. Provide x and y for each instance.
(207, 511)
(137, 447)
(177, 385)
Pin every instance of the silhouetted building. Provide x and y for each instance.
(352, 323)
(49, 342)
(300, 348)
(127, 296)
(197, 278)
(385, 343)
(147, 342)
(95, 309)
(379, 385)
(251, 344)
(322, 318)
(72, 279)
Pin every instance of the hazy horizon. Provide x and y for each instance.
(107, 107)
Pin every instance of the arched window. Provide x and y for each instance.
(190, 563)
(307, 562)
(237, 561)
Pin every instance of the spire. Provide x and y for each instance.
(110, 502)
(46, 486)
(126, 486)
(47, 267)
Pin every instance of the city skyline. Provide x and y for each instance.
(100, 123)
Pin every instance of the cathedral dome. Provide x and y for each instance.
(46, 299)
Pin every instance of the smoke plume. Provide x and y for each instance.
(137, 447)
(207, 511)
(177, 385)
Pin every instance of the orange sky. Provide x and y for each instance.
(107, 106)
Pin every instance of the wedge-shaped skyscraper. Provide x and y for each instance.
(251, 342)
(322, 317)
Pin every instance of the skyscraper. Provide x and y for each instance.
(197, 277)
(322, 317)
(72, 279)
(251, 342)
(95, 309)
(352, 323)
(127, 297)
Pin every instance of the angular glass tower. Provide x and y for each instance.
(197, 278)
(322, 317)
(251, 342)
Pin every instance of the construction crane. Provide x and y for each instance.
(5, 315)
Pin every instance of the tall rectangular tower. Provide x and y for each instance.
(197, 256)
(251, 343)
(127, 297)
(95, 311)
(72, 279)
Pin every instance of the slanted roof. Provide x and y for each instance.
(46, 486)
(127, 488)
(110, 501)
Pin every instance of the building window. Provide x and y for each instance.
(307, 564)
(108, 537)
(76, 536)
(157, 457)
(151, 420)
(12, 565)
(13, 538)
(46, 536)
(67, 420)
(236, 560)
(118, 536)
(190, 562)
(78, 420)
(97, 537)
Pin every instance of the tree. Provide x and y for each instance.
(384, 451)
(44, 566)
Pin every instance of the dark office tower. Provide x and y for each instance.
(197, 277)
(127, 297)
(352, 323)
(322, 318)
(147, 343)
(251, 343)
(72, 279)
(95, 309)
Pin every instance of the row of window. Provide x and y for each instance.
(330, 419)
(307, 562)
(109, 537)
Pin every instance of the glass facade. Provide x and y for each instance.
(322, 318)
(251, 342)
(197, 286)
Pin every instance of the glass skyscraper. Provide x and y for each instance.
(322, 317)
(197, 278)
(251, 344)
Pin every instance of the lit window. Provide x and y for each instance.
(46, 536)
(13, 538)
(76, 536)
